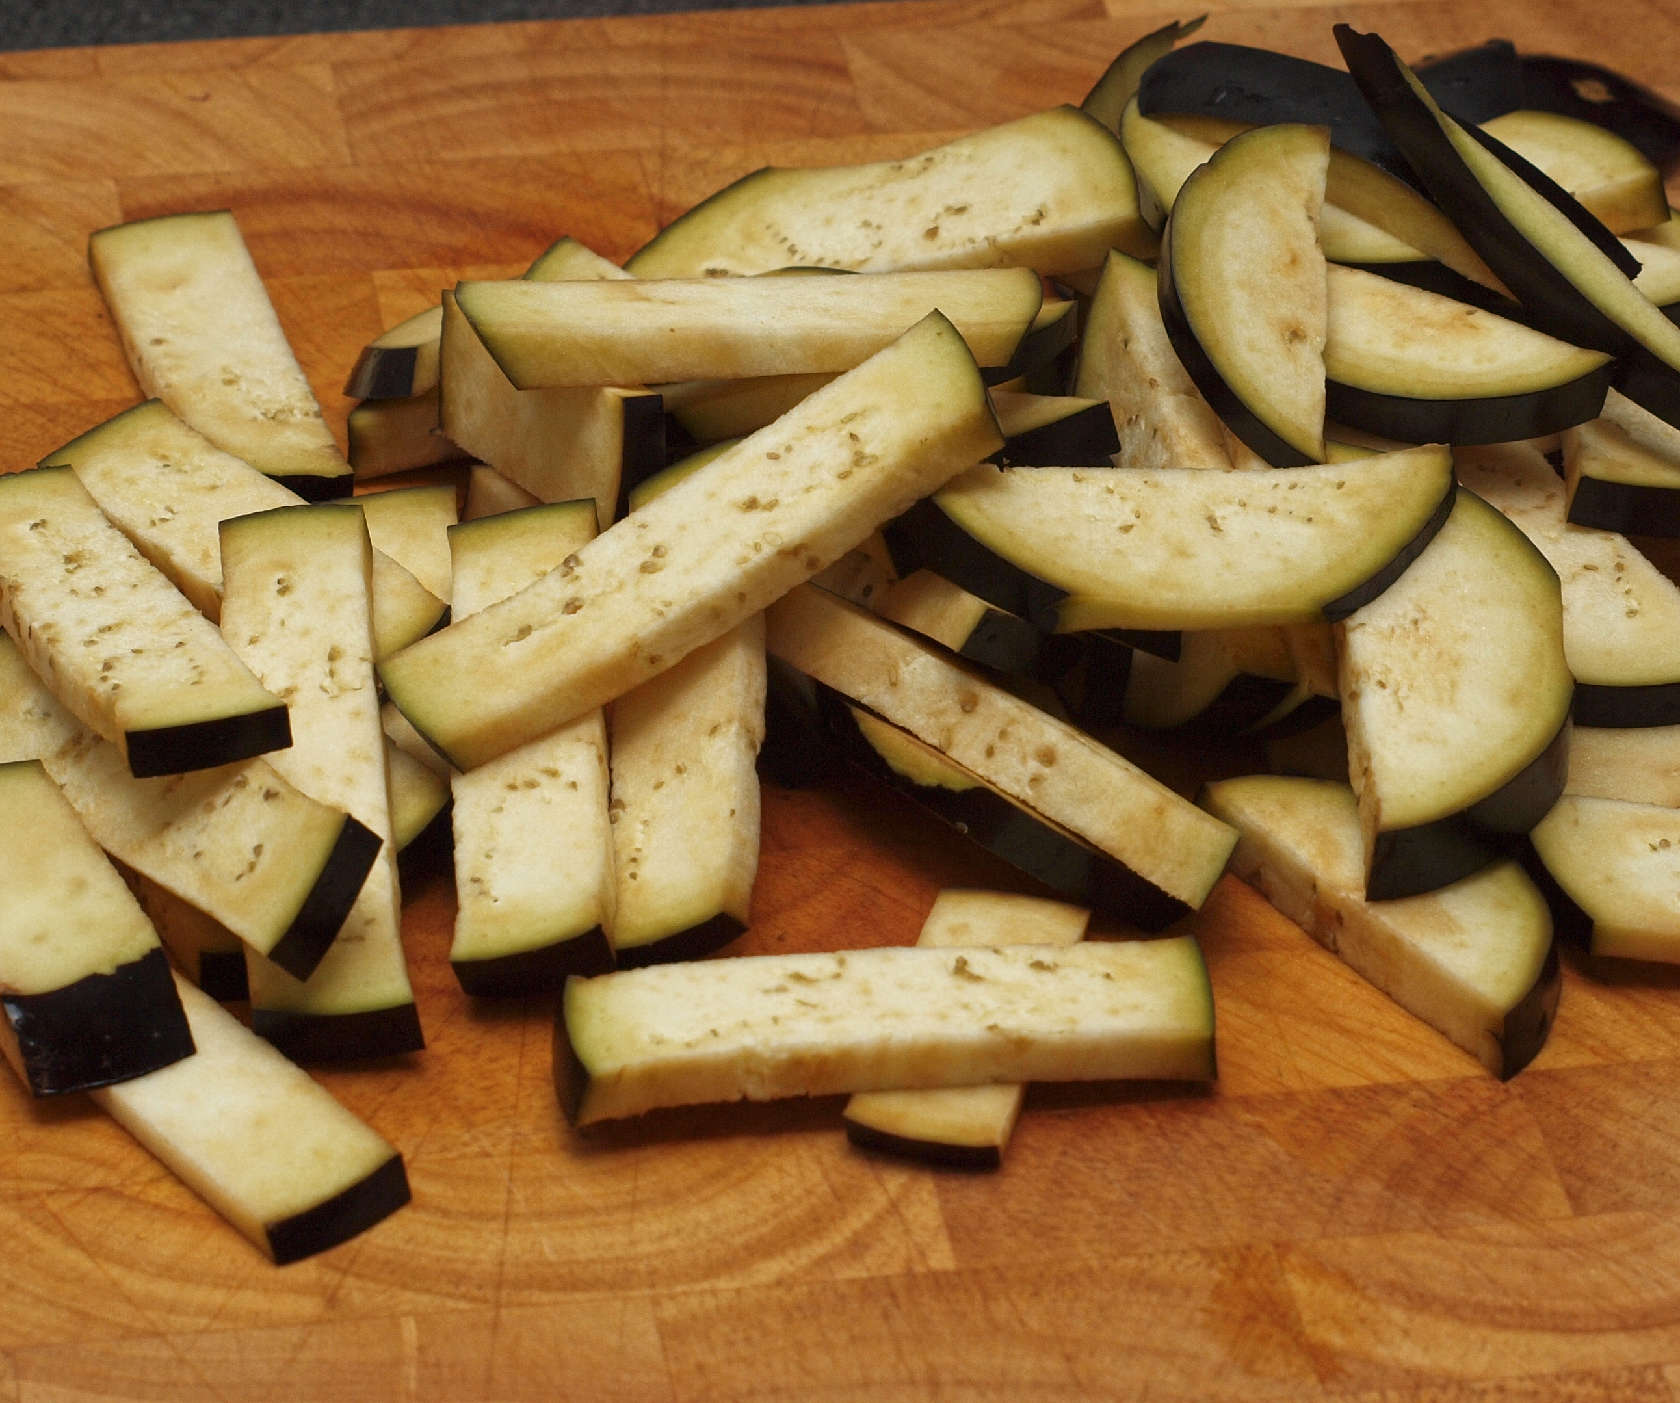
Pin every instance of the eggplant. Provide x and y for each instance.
(1571, 275)
(1166, 548)
(707, 554)
(1241, 283)
(879, 1019)
(1421, 368)
(388, 436)
(1455, 694)
(1621, 615)
(932, 606)
(1614, 863)
(964, 1126)
(401, 362)
(172, 516)
(633, 332)
(1127, 358)
(1058, 196)
(1475, 960)
(1042, 763)
(1622, 472)
(88, 998)
(259, 1140)
(296, 604)
(123, 649)
(533, 851)
(201, 335)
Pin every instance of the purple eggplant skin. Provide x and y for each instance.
(1064, 864)
(1551, 300)
(341, 1217)
(316, 923)
(936, 1152)
(1412, 861)
(99, 1029)
(1627, 508)
(1608, 99)
(341, 1037)
(1260, 86)
(203, 745)
(924, 538)
(540, 971)
(1086, 438)
(1497, 419)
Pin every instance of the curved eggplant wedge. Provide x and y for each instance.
(1455, 694)
(1618, 864)
(1242, 288)
(1572, 276)
(1621, 615)
(1416, 366)
(1180, 548)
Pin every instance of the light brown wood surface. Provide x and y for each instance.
(1356, 1212)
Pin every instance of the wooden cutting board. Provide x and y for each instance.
(1356, 1212)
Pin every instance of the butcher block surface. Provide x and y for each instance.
(1355, 1212)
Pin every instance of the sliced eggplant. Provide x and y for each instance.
(879, 1019)
(685, 801)
(269, 863)
(963, 1125)
(1224, 680)
(685, 792)
(533, 848)
(1621, 615)
(1619, 864)
(1639, 764)
(1608, 174)
(1571, 275)
(117, 643)
(1474, 960)
(720, 545)
(489, 493)
(1173, 548)
(202, 336)
(1127, 358)
(87, 995)
(296, 606)
(1412, 365)
(710, 411)
(637, 332)
(411, 525)
(932, 606)
(401, 362)
(978, 812)
(1242, 288)
(714, 411)
(1054, 430)
(1052, 191)
(1455, 694)
(259, 1141)
(556, 443)
(388, 436)
(1113, 92)
(167, 488)
(1254, 86)
(1622, 471)
(204, 950)
(1046, 764)
(1593, 93)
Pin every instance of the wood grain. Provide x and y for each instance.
(1355, 1213)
